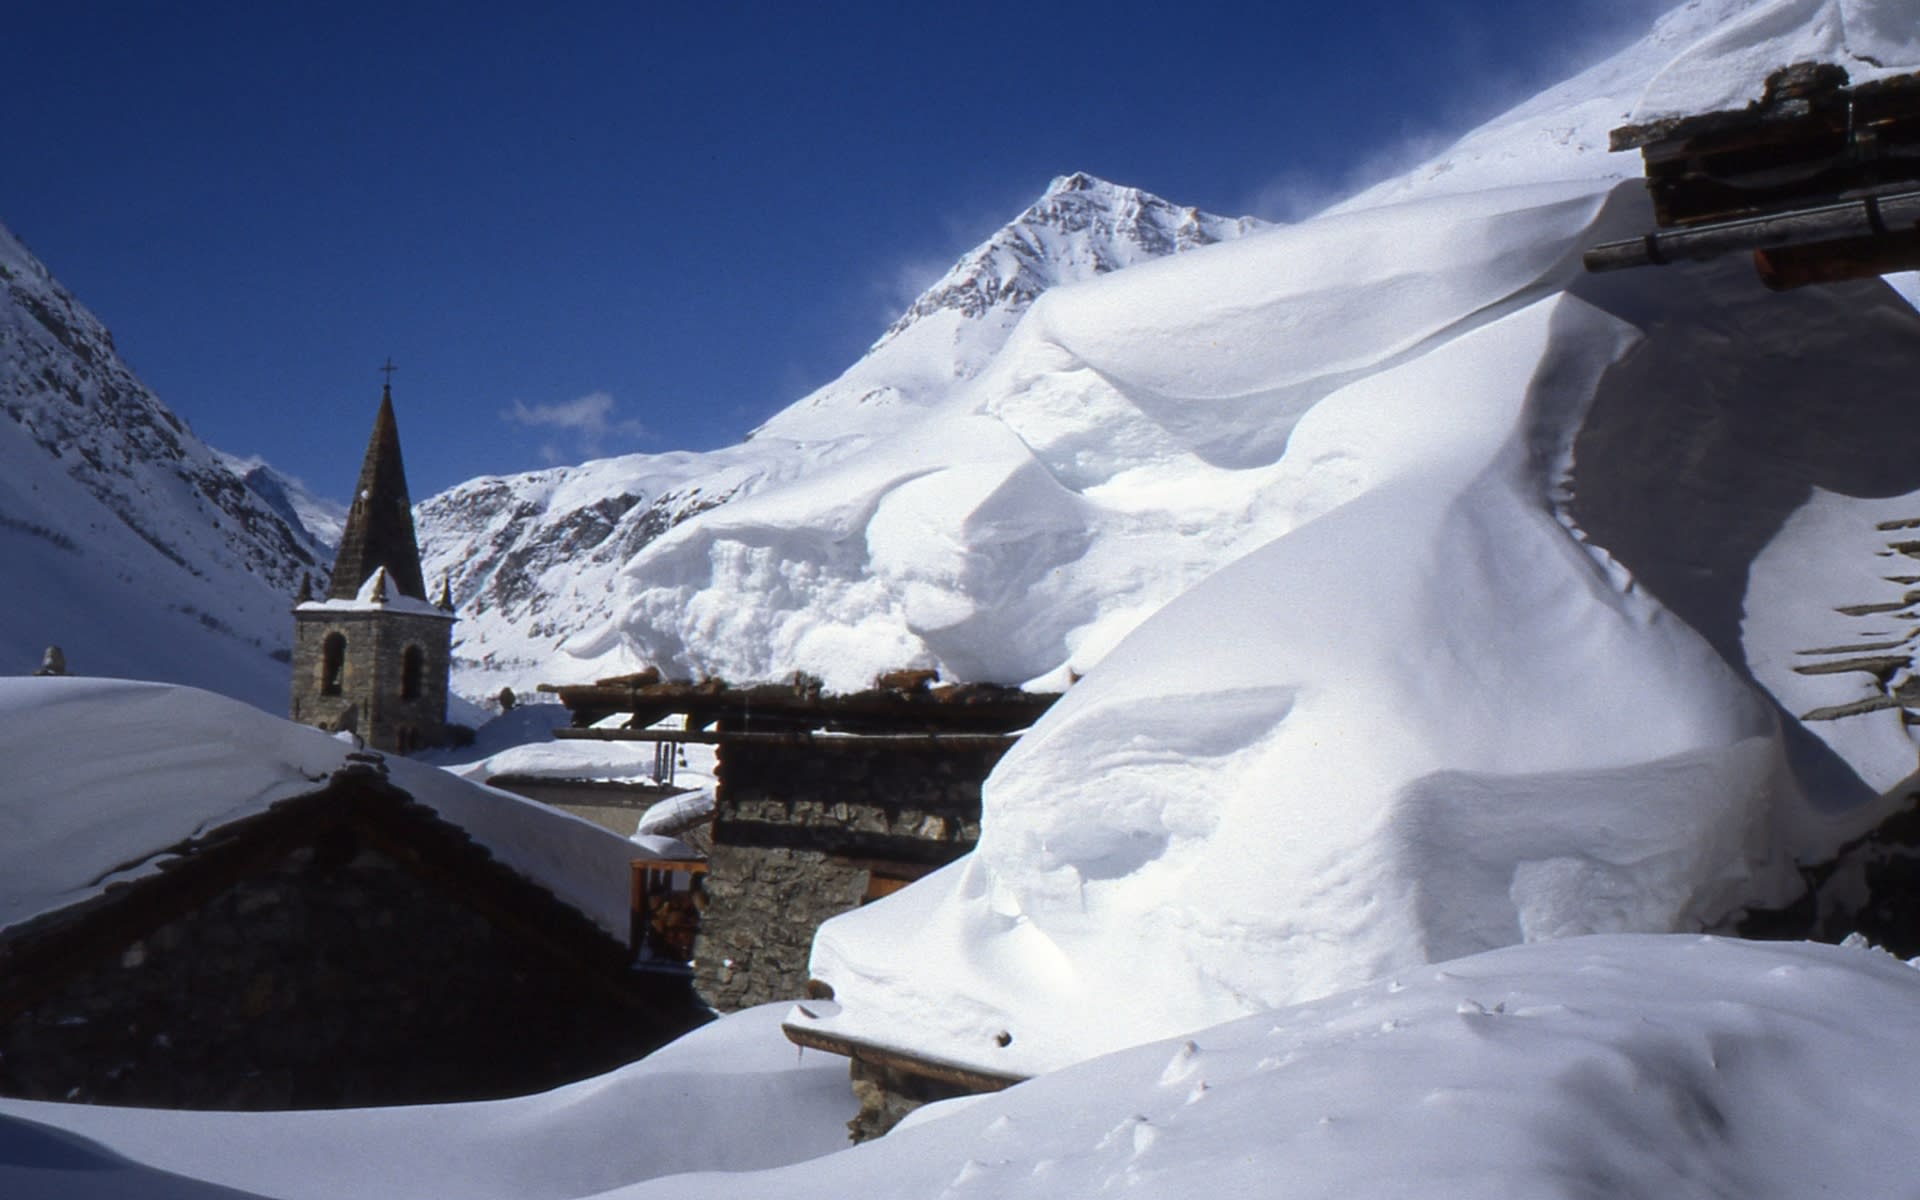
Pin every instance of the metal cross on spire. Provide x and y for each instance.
(388, 369)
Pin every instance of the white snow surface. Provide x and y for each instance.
(733, 1095)
(380, 593)
(1728, 67)
(1417, 713)
(126, 540)
(1397, 646)
(1620, 1066)
(105, 776)
(536, 560)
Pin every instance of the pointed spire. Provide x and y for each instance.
(379, 529)
(446, 593)
(306, 589)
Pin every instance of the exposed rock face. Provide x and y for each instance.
(528, 558)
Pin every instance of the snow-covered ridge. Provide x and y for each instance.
(1081, 227)
(127, 540)
(533, 558)
(321, 519)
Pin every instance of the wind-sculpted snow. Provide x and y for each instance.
(1406, 567)
(1127, 441)
(532, 558)
(1439, 698)
(126, 540)
(1425, 723)
(1727, 67)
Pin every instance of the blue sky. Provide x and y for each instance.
(617, 227)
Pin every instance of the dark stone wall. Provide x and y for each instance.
(799, 830)
(334, 978)
(370, 702)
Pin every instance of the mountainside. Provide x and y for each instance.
(321, 520)
(127, 541)
(533, 557)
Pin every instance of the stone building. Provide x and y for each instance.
(373, 657)
(824, 802)
(233, 912)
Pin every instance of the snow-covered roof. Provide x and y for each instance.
(104, 776)
(378, 594)
(1727, 67)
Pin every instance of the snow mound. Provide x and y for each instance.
(1630, 1066)
(1124, 443)
(682, 1108)
(1427, 723)
(1426, 709)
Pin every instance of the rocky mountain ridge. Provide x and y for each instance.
(1081, 227)
(128, 540)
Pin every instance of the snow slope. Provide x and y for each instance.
(127, 541)
(733, 1095)
(1484, 682)
(320, 519)
(1656, 1067)
(535, 559)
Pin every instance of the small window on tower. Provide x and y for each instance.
(410, 664)
(333, 661)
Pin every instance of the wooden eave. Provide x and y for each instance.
(1819, 181)
(38, 956)
(972, 1078)
(792, 708)
(827, 741)
(1809, 140)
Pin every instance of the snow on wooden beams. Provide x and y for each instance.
(1818, 180)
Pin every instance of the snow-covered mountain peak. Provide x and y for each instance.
(1082, 226)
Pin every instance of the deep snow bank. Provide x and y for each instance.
(1426, 723)
(732, 1095)
(1124, 443)
(1653, 1067)
(1436, 714)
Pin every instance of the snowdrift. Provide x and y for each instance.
(1484, 679)
(1631, 1066)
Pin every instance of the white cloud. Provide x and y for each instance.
(590, 424)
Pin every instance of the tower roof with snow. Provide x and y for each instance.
(379, 529)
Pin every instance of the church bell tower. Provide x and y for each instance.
(374, 656)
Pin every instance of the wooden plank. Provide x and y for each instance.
(822, 741)
(975, 1079)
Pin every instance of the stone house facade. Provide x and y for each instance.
(346, 947)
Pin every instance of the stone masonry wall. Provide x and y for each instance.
(371, 674)
(798, 831)
(335, 978)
